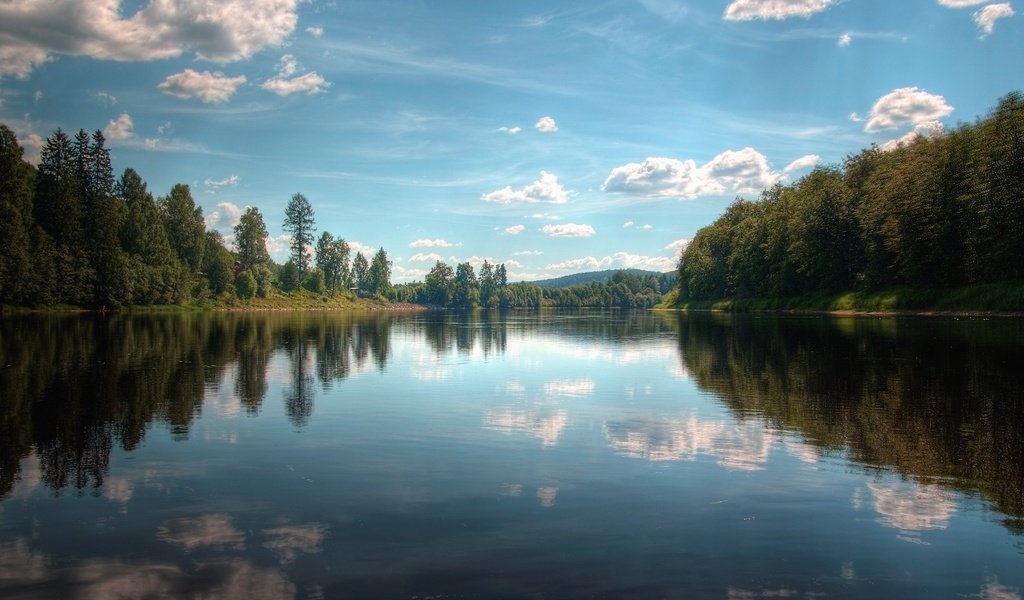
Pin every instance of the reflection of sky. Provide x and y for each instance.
(737, 446)
(544, 424)
(910, 506)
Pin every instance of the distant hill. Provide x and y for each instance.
(598, 276)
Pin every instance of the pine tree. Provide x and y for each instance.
(299, 223)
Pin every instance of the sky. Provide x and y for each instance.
(553, 137)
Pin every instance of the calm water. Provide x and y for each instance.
(586, 455)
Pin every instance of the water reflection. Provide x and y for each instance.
(935, 400)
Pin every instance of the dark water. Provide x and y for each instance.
(584, 455)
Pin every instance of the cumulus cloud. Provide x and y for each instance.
(568, 230)
(844, 40)
(921, 130)
(906, 106)
(545, 189)
(431, 244)
(510, 130)
(986, 17)
(678, 245)
(316, 32)
(211, 88)
(804, 162)
(733, 171)
(624, 260)
(428, 257)
(120, 129)
(749, 10)
(227, 215)
(283, 84)
(515, 229)
(546, 125)
(33, 33)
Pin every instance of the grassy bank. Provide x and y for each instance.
(300, 300)
(988, 298)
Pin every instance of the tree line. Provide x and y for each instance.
(463, 288)
(938, 212)
(74, 234)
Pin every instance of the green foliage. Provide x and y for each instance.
(332, 257)
(186, 230)
(245, 285)
(314, 281)
(299, 223)
(289, 278)
(360, 269)
(936, 213)
(378, 277)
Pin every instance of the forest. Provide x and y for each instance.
(935, 212)
(76, 236)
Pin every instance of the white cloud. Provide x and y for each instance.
(283, 84)
(844, 40)
(921, 130)
(546, 125)
(568, 230)
(624, 260)
(545, 217)
(986, 17)
(804, 162)
(220, 31)
(231, 180)
(628, 224)
(211, 88)
(678, 245)
(367, 250)
(227, 215)
(510, 130)
(431, 244)
(587, 262)
(733, 171)
(528, 253)
(515, 229)
(748, 10)
(119, 129)
(316, 32)
(856, 118)
(545, 189)
(960, 3)
(38, 96)
(906, 106)
(106, 99)
(429, 257)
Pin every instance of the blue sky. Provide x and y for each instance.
(552, 137)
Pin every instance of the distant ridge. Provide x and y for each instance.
(591, 277)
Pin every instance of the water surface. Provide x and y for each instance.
(551, 455)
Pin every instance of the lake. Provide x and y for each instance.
(533, 455)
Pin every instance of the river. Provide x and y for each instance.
(531, 455)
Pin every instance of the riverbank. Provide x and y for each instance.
(1005, 299)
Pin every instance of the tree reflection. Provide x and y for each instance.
(935, 400)
(74, 388)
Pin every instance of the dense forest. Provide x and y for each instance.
(936, 212)
(74, 235)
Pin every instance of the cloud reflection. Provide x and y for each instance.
(910, 506)
(206, 530)
(289, 541)
(738, 446)
(544, 424)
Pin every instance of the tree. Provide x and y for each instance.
(467, 294)
(440, 285)
(217, 264)
(16, 256)
(185, 227)
(379, 274)
(298, 221)
(251, 247)
(360, 268)
(156, 274)
(332, 259)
